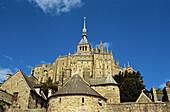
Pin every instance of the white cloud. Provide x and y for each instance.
(57, 6)
(3, 72)
(29, 66)
(8, 57)
(164, 84)
(43, 62)
(105, 45)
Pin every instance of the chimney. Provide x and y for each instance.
(154, 95)
(8, 76)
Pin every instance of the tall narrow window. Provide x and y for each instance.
(41, 104)
(80, 48)
(85, 48)
(60, 100)
(36, 103)
(82, 100)
(15, 96)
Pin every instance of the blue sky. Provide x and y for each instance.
(34, 32)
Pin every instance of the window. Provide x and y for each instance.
(36, 103)
(41, 104)
(100, 102)
(60, 100)
(15, 96)
(82, 100)
(85, 48)
(80, 48)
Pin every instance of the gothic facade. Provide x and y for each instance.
(89, 62)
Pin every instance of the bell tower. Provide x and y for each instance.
(83, 46)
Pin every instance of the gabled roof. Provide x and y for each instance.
(143, 98)
(103, 81)
(30, 81)
(77, 86)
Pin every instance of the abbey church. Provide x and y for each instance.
(89, 62)
(85, 84)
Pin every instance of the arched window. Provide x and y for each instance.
(80, 48)
(85, 48)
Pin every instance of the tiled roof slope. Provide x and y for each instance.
(77, 86)
(103, 81)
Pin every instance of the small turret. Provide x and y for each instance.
(92, 48)
(101, 47)
(107, 50)
(118, 64)
(96, 49)
(128, 65)
(111, 52)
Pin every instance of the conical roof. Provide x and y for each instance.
(110, 80)
(103, 81)
(77, 86)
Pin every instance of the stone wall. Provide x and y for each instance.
(18, 84)
(6, 97)
(75, 103)
(110, 92)
(138, 107)
(36, 101)
(27, 110)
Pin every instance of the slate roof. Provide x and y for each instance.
(31, 83)
(77, 86)
(103, 81)
(83, 40)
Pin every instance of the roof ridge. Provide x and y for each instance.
(77, 85)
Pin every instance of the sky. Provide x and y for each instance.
(34, 32)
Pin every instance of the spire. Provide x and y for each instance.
(107, 50)
(84, 36)
(128, 64)
(111, 52)
(101, 47)
(92, 48)
(118, 64)
(84, 28)
(124, 66)
(96, 49)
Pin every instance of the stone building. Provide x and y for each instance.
(25, 90)
(98, 62)
(85, 85)
(76, 95)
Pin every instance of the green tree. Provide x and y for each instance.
(49, 85)
(159, 91)
(130, 84)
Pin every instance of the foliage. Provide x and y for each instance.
(130, 84)
(49, 85)
(159, 91)
(2, 103)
